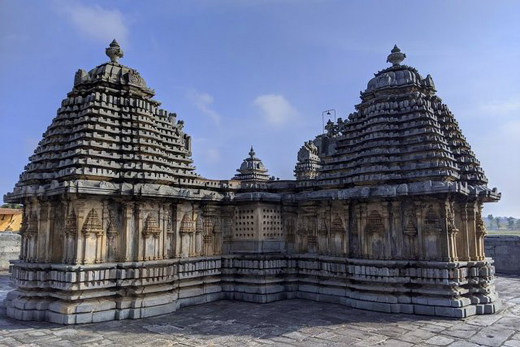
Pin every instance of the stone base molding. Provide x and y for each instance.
(95, 293)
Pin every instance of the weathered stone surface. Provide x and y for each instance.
(385, 214)
(505, 251)
(283, 323)
(9, 248)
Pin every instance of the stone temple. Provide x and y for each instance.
(384, 214)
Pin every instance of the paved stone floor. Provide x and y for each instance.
(284, 323)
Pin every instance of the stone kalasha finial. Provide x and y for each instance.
(114, 52)
(396, 57)
(252, 152)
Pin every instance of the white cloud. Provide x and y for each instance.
(512, 130)
(275, 109)
(504, 108)
(203, 102)
(96, 22)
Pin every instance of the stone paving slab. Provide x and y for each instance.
(283, 323)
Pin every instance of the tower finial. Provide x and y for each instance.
(252, 152)
(114, 51)
(396, 57)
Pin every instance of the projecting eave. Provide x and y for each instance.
(430, 188)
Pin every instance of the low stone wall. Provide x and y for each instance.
(505, 250)
(9, 248)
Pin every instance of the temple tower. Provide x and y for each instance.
(252, 169)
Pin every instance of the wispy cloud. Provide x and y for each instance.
(511, 130)
(504, 108)
(203, 102)
(275, 109)
(95, 22)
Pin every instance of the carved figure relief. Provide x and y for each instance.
(32, 225)
(170, 235)
(337, 231)
(135, 78)
(70, 232)
(169, 224)
(337, 225)
(290, 229)
(112, 226)
(207, 227)
(207, 238)
(301, 226)
(432, 229)
(323, 234)
(227, 229)
(311, 224)
(71, 225)
(199, 230)
(410, 228)
(432, 221)
(217, 237)
(111, 235)
(322, 228)
(375, 230)
(216, 226)
(480, 231)
(452, 229)
(480, 227)
(199, 224)
(354, 243)
(29, 232)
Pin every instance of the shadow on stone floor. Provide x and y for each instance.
(239, 318)
(235, 317)
(260, 321)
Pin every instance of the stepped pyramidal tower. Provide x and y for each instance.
(384, 214)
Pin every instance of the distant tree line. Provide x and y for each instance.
(11, 206)
(497, 223)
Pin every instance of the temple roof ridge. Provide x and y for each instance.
(400, 131)
(105, 106)
(398, 75)
(113, 72)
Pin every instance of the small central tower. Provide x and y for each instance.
(252, 169)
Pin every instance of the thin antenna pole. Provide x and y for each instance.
(328, 113)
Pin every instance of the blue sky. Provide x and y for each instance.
(260, 73)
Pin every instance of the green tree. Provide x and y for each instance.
(490, 220)
(11, 206)
(497, 221)
(510, 223)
